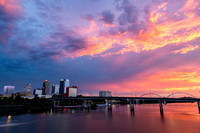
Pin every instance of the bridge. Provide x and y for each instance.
(161, 100)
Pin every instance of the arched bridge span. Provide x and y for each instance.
(181, 93)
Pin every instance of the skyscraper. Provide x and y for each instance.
(27, 90)
(55, 89)
(64, 83)
(45, 87)
(8, 90)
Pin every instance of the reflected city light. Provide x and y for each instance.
(73, 111)
(9, 119)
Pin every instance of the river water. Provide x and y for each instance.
(177, 118)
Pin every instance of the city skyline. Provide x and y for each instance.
(127, 46)
(47, 87)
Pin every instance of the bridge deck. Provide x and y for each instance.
(132, 98)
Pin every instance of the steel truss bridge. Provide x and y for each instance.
(153, 97)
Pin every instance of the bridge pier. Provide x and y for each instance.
(56, 103)
(109, 104)
(132, 105)
(106, 102)
(161, 107)
(137, 101)
(198, 104)
(86, 104)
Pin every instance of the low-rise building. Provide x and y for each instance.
(105, 93)
(37, 91)
(71, 91)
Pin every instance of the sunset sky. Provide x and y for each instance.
(125, 46)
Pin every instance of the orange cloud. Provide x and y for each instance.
(167, 32)
(2, 2)
(186, 49)
(92, 28)
(156, 14)
(190, 88)
(191, 76)
(159, 32)
(155, 35)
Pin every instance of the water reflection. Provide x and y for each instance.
(9, 119)
(109, 114)
(176, 118)
(162, 117)
(132, 113)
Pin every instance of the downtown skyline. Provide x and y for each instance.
(125, 46)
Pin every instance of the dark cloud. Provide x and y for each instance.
(128, 20)
(147, 11)
(132, 30)
(63, 40)
(89, 17)
(129, 13)
(73, 44)
(13, 65)
(115, 48)
(107, 17)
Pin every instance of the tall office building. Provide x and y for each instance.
(8, 90)
(27, 90)
(64, 83)
(55, 89)
(45, 87)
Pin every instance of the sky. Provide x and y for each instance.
(129, 47)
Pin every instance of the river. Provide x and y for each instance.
(177, 118)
